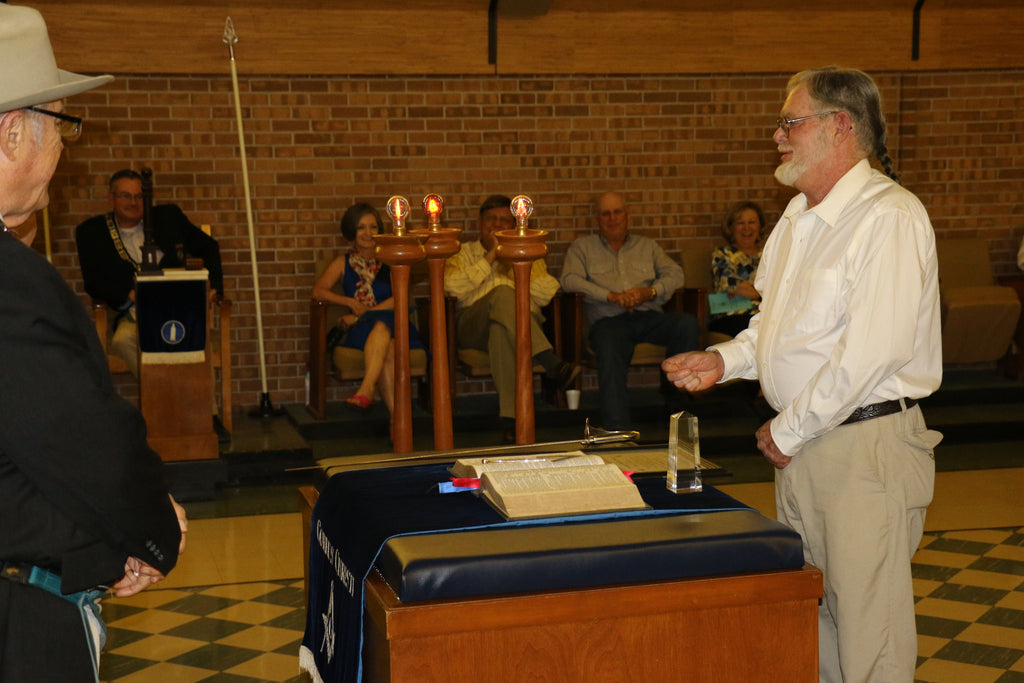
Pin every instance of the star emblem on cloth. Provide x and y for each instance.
(328, 617)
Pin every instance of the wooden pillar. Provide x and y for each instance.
(439, 245)
(400, 250)
(520, 248)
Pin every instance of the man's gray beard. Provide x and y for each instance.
(788, 172)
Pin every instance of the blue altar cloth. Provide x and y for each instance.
(359, 511)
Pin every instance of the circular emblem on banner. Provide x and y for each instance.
(172, 332)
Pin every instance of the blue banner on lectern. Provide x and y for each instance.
(171, 313)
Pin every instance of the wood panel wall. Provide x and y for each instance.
(296, 37)
(758, 36)
(673, 38)
(309, 37)
(962, 34)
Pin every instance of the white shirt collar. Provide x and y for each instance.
(845, 189)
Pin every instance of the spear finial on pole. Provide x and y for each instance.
(265, 409)
(230, 37)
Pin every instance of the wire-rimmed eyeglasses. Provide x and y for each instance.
(69, 127)
(786, 123)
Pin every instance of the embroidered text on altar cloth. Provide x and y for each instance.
(334, 559)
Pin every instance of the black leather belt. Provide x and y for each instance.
(879, 409)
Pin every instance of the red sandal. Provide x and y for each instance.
(359, 402)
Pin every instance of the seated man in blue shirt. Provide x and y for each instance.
(625, 279)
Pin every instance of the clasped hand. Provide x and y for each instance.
(139, 575)
(631, 298)
(746, 289)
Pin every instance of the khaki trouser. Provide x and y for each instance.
(125, 343)
(490, 325)
(857, 496)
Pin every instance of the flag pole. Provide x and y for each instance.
(266, 409)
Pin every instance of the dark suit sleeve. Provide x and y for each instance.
(106, 275)
(75, 448)
(173, 228)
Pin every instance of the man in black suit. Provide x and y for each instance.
(110, 254)
(83, 505)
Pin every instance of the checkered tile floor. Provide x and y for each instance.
(969, 587)
(235, 633)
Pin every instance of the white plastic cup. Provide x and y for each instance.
(572, 397)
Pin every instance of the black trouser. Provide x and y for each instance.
(41, 637)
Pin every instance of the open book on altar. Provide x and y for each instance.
(475, 467)
(560, 490)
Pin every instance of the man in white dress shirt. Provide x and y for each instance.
(846, 342)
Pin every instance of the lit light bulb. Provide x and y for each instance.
(522, 207)
(398, 209)
(433, 205)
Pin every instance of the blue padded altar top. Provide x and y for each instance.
(579, 555)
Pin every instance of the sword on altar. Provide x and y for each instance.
(592, 437)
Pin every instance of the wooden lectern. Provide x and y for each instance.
(175, 385)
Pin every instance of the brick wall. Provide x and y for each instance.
(681, 148)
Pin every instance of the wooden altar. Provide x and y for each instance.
(743, 627)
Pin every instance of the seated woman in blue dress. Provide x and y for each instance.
(733, 266)
(359, 281)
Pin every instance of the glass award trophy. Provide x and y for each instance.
(683, 475)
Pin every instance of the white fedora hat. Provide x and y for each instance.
(29, 73)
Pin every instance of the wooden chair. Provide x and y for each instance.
(979, 317)
(345, 364)
(218, 347)
(476, 363)
(1012, 363)
(696, 260)
(103, 330)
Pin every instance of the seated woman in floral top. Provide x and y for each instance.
(733, 267)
